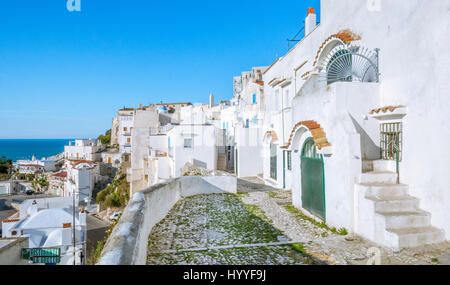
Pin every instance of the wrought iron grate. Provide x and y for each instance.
(391, 141)
(289, 160)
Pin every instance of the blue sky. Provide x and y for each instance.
(64, 74)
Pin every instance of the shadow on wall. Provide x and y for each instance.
(199, 163)
(369, 149)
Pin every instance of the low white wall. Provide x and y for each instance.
(12, 252)
(128, 242)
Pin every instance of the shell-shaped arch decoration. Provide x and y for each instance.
(349, 63)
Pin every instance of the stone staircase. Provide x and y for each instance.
(386, 214)
(221, 162)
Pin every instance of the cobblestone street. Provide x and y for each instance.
(259, 226)
(209, 221)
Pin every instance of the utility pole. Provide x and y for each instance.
(73, 226)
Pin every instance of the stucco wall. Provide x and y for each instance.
(128, 242)
(413, 37)
(248, 145)
(341, 117)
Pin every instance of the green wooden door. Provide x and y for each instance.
(313, 185)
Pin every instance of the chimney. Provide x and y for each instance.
(211, 100)
(310, 21)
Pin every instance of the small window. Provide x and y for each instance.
(128, 140)
(391, 141)
(168, 142)
(125, 129)
(254, 98)
(289, 160)
(188, 143)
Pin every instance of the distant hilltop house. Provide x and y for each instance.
(31, 166)
(341, 119)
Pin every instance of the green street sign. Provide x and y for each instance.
(49, 259)
(42, 255)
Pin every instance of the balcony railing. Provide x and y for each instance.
(161, 130)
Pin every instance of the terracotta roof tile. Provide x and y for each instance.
(319, 135)
(31, 165)
(62, 174)
(273, 134)
(346, 36)
(385, 109)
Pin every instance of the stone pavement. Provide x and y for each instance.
(332, 248)
(224, 228)
(217, 220)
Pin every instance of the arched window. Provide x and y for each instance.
(350, 64)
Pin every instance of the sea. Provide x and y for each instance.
(23, 149)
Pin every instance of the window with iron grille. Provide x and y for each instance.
(391, 141)
(289, 160)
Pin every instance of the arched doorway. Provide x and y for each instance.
(313, 184)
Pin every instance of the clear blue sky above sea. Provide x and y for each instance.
(64, 74)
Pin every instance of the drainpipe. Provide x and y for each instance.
(282, 113)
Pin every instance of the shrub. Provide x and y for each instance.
(4, 176)
(30, 177)
(105, 139)
(102, 194)
(116, 194)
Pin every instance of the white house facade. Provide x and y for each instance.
(352, 106)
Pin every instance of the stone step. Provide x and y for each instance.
(404, 203)
(384, 165)
(379, 190)
(401, 220)
(386, 177)
(417, 236)
(367, 166)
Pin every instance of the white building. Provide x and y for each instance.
(242, 123)
(363, 88)
(80, 181)
(29, 168)
(84, 150)
(146, 121)
(57, 183)
(48, 223)
(112, 158)
(126, 118)
(6, 187)
(195, 144)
